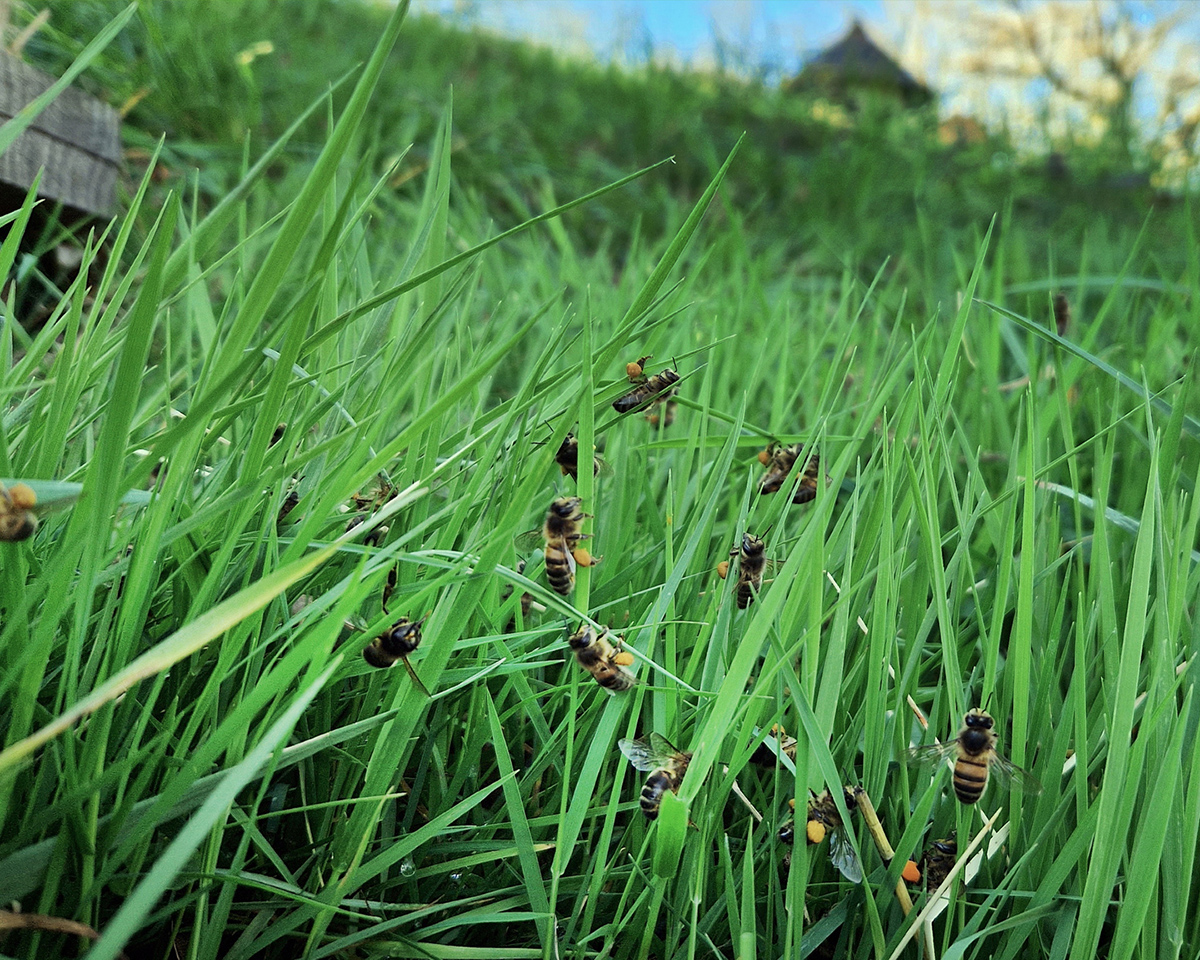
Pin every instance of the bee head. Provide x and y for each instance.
(978, 720)
(751, 543)
(565, 506)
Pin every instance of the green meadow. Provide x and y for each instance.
(346, 316)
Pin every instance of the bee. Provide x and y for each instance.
(764, 756)
(562, 536)
(634, 370)
(824, 820)
(751, 563)
(937, 862)
(975, 756)
(666, 418)
(380, 495)
(567, 459)
(398, 641)
(602, 659)
(665, 763)
(653, 388)
(779, 465)
(17, 519)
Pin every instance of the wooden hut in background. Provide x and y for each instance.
(855, 68)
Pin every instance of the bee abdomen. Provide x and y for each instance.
(970, 778)
(658, 783)
(558, 570)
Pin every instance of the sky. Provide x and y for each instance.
(781, 34)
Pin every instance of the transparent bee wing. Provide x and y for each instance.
(842, 856)
(1006, 771)
(639, 753)
(648, 755)
(530, 539)
(663, 747)
(931, 754)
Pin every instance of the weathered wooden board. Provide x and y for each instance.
(76, 139)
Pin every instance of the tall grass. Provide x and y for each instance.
(197, 761)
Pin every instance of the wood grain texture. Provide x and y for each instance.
(76, 140)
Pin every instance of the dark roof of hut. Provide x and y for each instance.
(855, 62)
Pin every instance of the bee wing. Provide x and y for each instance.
(650, 754)
(1006, 771)
(530, 539)
(640, 754)
(931, 754)
(842, 856)
(602, 467)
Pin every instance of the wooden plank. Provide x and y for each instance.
(76, 139)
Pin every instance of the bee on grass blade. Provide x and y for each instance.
(398, 640)
(823, 822)
(17, 519)
(561, 538)
(779, 465)
(975, 758)
(752, 561)
(937, 861)
(605, 661)
(567, 459)
(653, 388)
(665, 763)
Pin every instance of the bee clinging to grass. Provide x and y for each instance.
(652, 388)
(975, 758)
(665, 763)
(398, 640)
(752, 561)
(607, 664)
(779, 463)
(561, 537)
(567, 459)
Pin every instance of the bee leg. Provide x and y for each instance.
(417, 680)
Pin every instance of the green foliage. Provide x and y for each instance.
(196, 759)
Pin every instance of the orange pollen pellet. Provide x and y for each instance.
(911, 873)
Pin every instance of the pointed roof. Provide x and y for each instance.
(856, 62)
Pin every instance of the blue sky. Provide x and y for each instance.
(780, 33)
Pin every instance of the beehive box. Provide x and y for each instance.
(76, 139)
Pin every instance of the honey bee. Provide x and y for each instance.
(764, 756)
(975, 756)
(17, 519)
(602, 659)
(665, 763)
(779, 465)
(398, 641)
(562, 536)
(653, 388)
(567, 459)
(751, 563)
(937, 862)
(825, 821)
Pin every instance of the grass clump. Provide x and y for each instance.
(198, 761)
